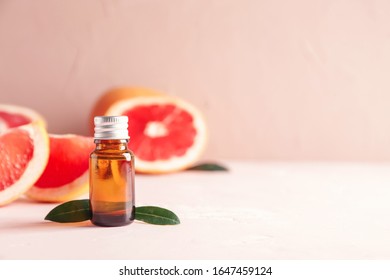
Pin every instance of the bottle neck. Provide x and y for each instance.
(111, 144)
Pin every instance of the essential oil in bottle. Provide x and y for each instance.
(111, 180)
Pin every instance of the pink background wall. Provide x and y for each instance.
(304, 79)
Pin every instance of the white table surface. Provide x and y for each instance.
(258, 210)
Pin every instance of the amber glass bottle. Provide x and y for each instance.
(111, 181)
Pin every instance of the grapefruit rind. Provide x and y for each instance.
(34, 168)
(174, 163)
(63, 193)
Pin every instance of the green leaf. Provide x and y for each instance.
(79, 210)
(156, 215)
(208, 166)
(70, 212)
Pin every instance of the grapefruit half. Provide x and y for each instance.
(166, 134)
(66, 174)
(24, 151)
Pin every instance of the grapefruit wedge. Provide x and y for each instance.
(66, 174)
(24, 151)
(166, 134)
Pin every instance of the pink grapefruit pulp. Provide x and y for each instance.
(24, 151)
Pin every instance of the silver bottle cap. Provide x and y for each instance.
(111, 127)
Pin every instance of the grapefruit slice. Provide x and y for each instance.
(24, 151)
(166, 134)
(66, 174)
(14, 116)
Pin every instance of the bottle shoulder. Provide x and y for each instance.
(112, 154)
